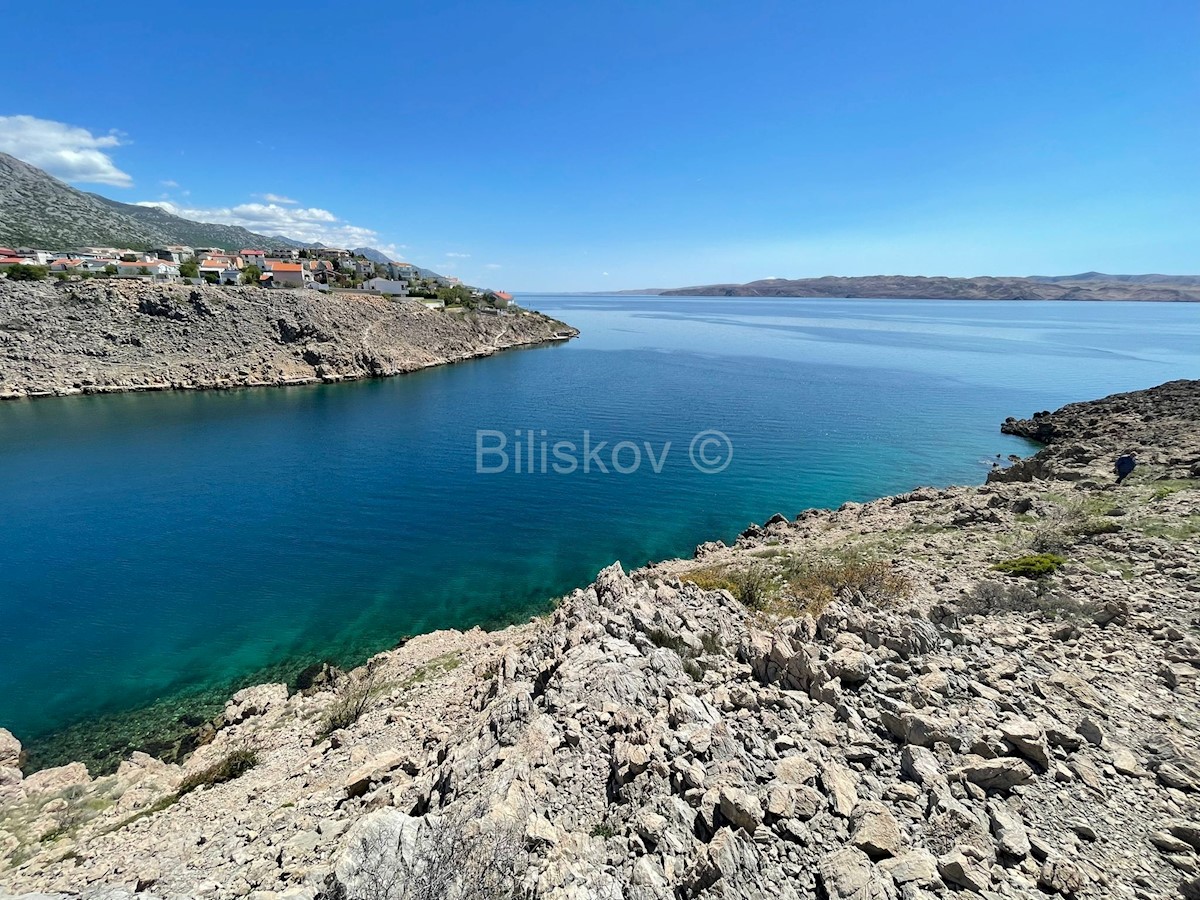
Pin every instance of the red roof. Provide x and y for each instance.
(7, 251)
(286, 267)
(11, 260)
(255, 252)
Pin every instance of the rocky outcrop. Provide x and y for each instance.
(102, 336)
(893, 718)
(1158, 424)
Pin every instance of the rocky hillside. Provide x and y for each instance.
(1088, 286)
(972, 692)
(103, 336)
(38, 210)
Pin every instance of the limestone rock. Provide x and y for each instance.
(957, 868)
(839, 787)
(1061, 876)
(1011, 837)
(912, 866)
(795, 770)
(254, 701)
(875, 830)
(59, 778)
(1028, 740)
(11, 755)
(848, 874)
(741, 808)
(997, 775)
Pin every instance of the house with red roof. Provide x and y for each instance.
(290, 274)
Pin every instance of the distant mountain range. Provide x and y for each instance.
(1086, 286)
(38, 210)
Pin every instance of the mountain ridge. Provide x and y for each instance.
(39, 210)
(1087, 286)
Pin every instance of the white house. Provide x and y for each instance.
(387, 286)
(211, 267)
(158, 270)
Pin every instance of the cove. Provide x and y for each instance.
(158, 549)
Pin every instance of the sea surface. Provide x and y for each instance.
(157, 550)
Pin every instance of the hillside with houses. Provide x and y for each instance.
(50, 229)
(324, 269)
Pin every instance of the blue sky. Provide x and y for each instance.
(559, 146)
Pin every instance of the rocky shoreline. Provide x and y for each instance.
(972, 692)
(105, 336)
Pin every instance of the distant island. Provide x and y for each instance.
(1086, 286)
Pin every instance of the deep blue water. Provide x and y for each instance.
(161, 542)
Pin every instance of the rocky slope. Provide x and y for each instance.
(849, 704)
(1088, 286)
(107, 335)
(38, 210)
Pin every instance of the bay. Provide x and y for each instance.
(157, 550)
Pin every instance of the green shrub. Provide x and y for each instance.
(668, 641)
(693, 669)
(711, 579)
(23, 272)
(229, 767)
(755, 586)
(992, 597)
(1035, 566)
(1093, 527)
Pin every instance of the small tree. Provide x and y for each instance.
(110, 269)
(143, 271)
(212, 278)
(251, 274)
(189, 268)
(23, 272)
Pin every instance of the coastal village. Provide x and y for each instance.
(323, 269)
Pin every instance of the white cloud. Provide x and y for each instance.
(308, 224)
(66, 151)
(493, 266)
(276, 198)
(459, 255)
(169, 183)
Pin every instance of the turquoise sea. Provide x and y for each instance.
(158, 549)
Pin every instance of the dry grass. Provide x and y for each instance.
(852, 577)
(229, 767)
(794, 583)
